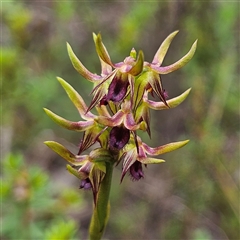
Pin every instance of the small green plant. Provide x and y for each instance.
(121, 99)
(30, 207)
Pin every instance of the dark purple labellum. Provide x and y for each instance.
(85, 184)
(136, 171)
(104, 101)
(117, 89)
(119, 137)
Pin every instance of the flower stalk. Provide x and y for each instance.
(120, 96)
(102, 209)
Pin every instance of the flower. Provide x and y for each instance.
(92, 167)
(121, 99)
(92, 130)
(134, 156)
(122, 77)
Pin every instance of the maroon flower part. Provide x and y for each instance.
(136, 171)
(118, 88)
(85, 184)
(119, 137)
(117, 84)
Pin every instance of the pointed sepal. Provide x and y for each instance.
(161, 52)
(138, 67)
(74, 126)
(80, 67)
(165, 148)
(171, 103)
(101, 49)
(179, 64)
(77, 100)
(66, 154)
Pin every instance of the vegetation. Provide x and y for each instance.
(195, 194)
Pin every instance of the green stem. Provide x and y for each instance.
(102, 208)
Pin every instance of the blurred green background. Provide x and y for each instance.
(195, 194)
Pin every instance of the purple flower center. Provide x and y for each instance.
(136, 171)
(117, 89)
(85, 184)
(119, 137)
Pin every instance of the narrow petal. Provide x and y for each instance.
(75, 172)
(130, 123)
(138, 67)
(66, 154)
(140, 85)
(165, 148)
(80, 67)
(115, 120)
(131, 83)
(151, 160)
(144, 114)
(98, 95)
(180, 63)
(155, 82)
(101, 49)
(129, 158)
(172, 103)
(161, 52)
(89, 138)
(76, 99)
(74, 126)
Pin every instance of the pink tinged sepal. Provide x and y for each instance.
(101, 49)
(80, 67)
(77, 100)
(175, 66)
(66, 154)
(74, 126)
(172, 103)
(165, 148)
(161, 52)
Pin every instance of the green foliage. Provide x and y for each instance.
(30, 207)
(204, 177)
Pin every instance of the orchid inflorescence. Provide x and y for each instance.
(121, 99)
